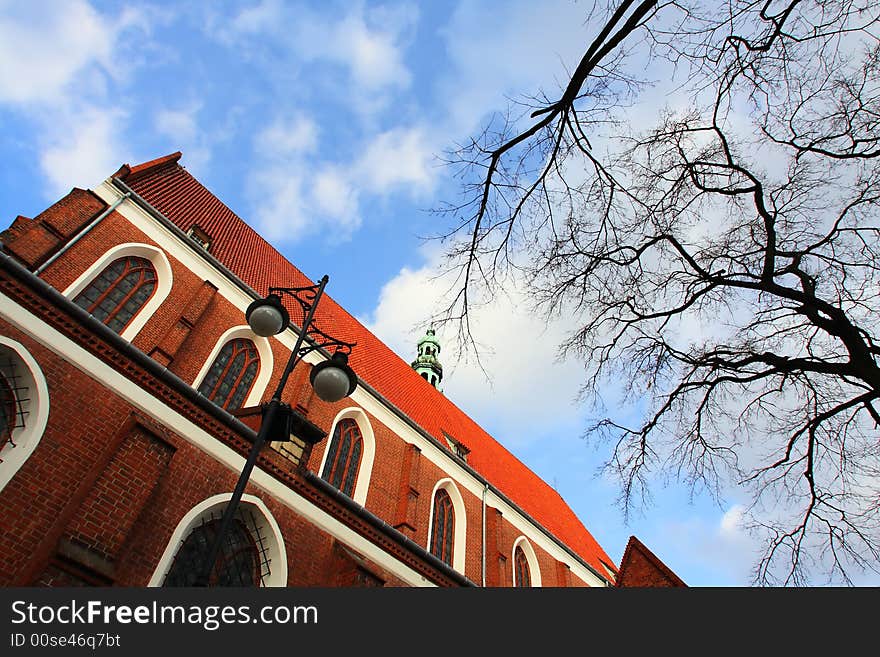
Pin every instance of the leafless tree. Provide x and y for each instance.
(723, 260)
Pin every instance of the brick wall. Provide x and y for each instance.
(640, 567)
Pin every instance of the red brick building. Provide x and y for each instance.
(131, 385)
(641, 568)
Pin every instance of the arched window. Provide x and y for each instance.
(232, 374)
(521, 569)
(241, 561)
(116, 294)
(253, 554)
(344, 456)
(444, 526)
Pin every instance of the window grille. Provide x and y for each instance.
(14, 400)
(243, 558)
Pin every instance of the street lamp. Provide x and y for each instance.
(331, 380)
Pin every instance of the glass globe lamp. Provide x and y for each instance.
(333, 379)
(267, 316)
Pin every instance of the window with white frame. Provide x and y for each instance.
(252, 555)
(443, 529)
(344, 456)
(232, 374)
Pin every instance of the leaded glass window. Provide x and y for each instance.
(116, 295)
(344, 456)
(444, 525)
(232, 374)
(521, 568)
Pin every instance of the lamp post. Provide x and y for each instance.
(331, 380)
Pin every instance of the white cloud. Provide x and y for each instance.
(47, 47)
(257, 18)
(354, 53)
(517, 348)
(291, 203)
(60, 71)
(280, 206)
(179, 124)
(368, 43)
(335, 197)
(182, 127)
(401, 157)
(329, 193)
(42, 48)
(285, 137)
(732, 521)
(723, 557)
(365, 41)
(82, 148)
(372, 55)
(294, 197)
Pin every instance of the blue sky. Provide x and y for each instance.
(322, 124)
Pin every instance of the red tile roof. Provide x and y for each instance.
(169, 188)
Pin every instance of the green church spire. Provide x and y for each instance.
(427, 363)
